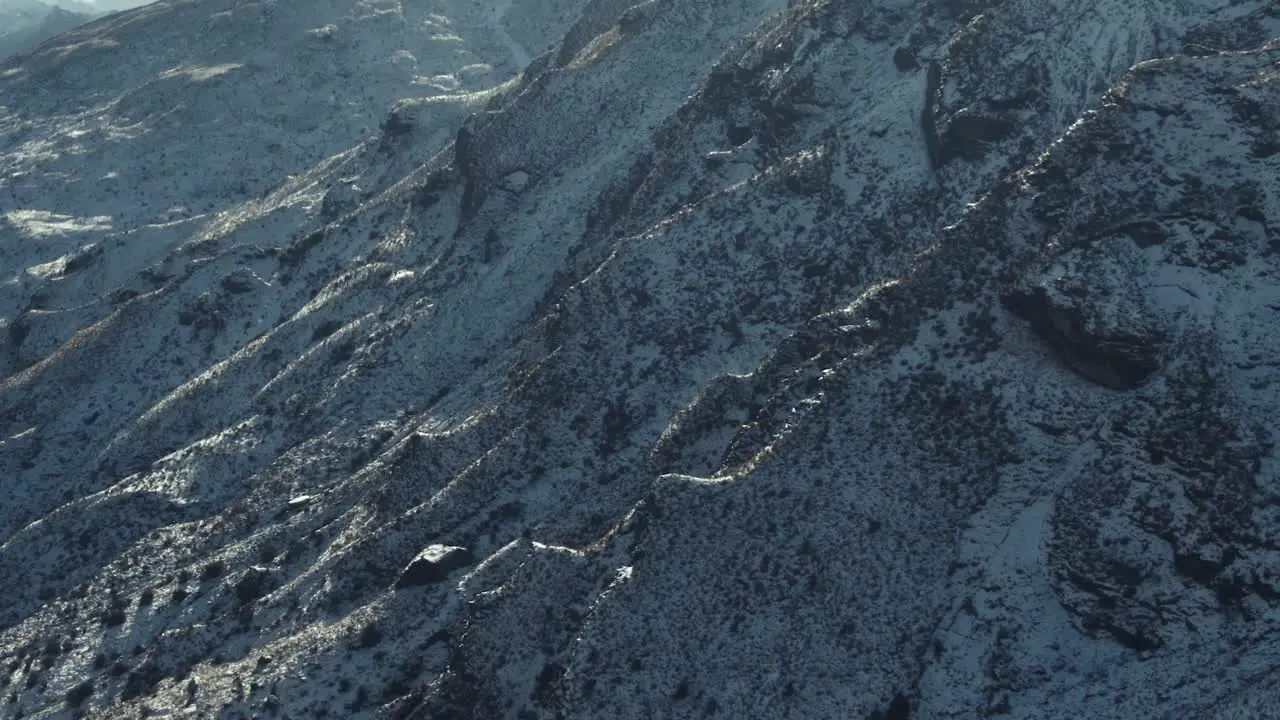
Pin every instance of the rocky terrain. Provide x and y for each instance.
(689, 358)
(24, 24)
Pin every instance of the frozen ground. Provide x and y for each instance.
(586, 359)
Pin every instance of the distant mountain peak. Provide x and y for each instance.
(26, 23)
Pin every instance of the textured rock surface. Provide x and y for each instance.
(433, 565)
(809, 359)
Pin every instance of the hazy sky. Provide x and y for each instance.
(103, 5)
(115, 4)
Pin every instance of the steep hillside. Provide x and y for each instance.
(586, 359)
(25, 24)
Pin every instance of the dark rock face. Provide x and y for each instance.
(929, 115)
(254, 584)
(240, 281)
(968, 133)
(1120, 359)
(904, 60)
(433, 565)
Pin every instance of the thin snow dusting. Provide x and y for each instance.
(38, 224)
(615, 359)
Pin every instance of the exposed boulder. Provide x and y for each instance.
(82, 258)
(904, 59)
(240, 280)
(1121, 359)
(398, 123)
(254, 584)
(1091, 309)
(433, 565)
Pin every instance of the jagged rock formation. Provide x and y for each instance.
(810, 359)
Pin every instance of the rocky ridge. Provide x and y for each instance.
(24, 24)
(734, 359)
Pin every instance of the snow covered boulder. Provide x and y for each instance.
(433, 565)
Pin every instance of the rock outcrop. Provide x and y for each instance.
(432, 565)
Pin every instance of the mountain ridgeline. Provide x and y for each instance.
(24, 24)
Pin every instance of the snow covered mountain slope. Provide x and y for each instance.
(727, 358)
(174, 121)
(26, 23)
